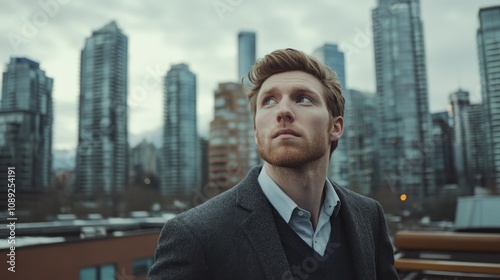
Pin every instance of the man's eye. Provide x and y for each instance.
(304, 99)
(269, 101)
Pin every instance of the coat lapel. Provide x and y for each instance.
(359, 235)
(260, 228)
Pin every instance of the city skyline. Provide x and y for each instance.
(210, 47)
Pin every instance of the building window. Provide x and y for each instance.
(141, 266)
(102, 272)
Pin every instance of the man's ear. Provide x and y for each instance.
(336, 128)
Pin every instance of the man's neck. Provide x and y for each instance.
(304, 185)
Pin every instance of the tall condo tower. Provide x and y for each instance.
(26, 125)
(404, 123)
(102, 154)
(361, 139)
(488, 49)
(246, 53)
(246, 60)
(181, 161)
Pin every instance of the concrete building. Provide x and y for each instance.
(26, 118)
(231, 142)
(102, 153)
(181, 161)
(488, 49)
(406, 146)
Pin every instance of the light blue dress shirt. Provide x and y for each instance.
(299, 219)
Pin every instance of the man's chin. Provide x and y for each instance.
(289, 158)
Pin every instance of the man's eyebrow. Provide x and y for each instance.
(269, 91)
(294, 89)
(303, 89)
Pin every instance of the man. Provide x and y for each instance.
(285, 220)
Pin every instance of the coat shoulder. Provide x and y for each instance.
(214, 211)
(223, 211)
(355, 197)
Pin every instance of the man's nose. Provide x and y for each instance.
(285, 113)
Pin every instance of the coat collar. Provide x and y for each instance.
(260, 227)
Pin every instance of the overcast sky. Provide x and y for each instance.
(203, 34)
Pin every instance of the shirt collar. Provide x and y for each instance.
(285, 205)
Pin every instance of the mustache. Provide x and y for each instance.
(281, 131)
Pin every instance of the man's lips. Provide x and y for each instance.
(286, 132)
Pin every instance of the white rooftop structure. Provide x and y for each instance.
(475, 212)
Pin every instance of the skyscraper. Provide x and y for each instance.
(488, 46)
(477, 171)
(246, 59)
(404, 118)
(363, 157)
(468, 142)
(102, 154)
(459, 101)
(26, 124)
(330, 55)
(442, 136)
(181, 160)
(246, 53)
(231, 144)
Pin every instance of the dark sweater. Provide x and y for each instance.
(305, 263)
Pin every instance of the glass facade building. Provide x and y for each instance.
(102, 153)
(247, 57)
(181, 160)
(246, 53)
(405, 142)
(488, 48)
(26, 118)
(459, 102)
(477, 171)
(361, 139)
(442, 136)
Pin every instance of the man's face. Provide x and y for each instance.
(292, 123)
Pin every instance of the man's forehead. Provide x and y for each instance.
(291, 80)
